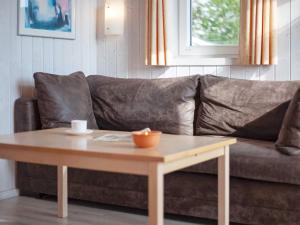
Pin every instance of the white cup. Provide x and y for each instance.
(79, 126)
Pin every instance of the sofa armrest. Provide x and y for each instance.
(26, 115)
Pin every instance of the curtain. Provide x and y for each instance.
(258, 32)
(156, 47)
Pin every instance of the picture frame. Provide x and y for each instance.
(47, 18)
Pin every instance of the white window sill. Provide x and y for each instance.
(201, 61)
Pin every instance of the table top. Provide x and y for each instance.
(171, 147)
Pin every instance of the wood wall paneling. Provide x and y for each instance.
(6, 167)
(183, 71)
(210, 70)
(21, 56)
(196, 70)
(100, 38)
(267, 73)
(237, 72)
(134, 38)
(283, 69)
(48, 45)
(295, 39)
(223, 71)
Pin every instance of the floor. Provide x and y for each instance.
(32, 211)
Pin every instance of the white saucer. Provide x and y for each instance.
(71, 132)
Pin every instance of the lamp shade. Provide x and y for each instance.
(114, 17)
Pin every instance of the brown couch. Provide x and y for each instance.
(265, 184)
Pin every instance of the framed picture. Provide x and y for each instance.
(47, 18)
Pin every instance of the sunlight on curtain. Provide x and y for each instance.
(258, 32)
(156, 49)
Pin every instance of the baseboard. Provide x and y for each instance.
(9, 194)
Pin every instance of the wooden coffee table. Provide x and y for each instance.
(175, 152)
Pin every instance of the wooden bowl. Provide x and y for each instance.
(146, 139)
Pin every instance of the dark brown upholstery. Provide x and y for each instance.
(257, 160)
(264, 183)
(243, 108)
(289, 136)
(62, 99)
(26, 115)
(190, 194)
(167, 105)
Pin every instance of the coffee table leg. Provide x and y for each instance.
(223, 188)
(156, 194)
(62, 191)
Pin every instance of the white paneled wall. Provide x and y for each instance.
(20, 57)
(123, 56)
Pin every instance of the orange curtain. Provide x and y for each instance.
(258, 32)
(156, 49)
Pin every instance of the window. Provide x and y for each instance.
(209, 28)
(215, 22)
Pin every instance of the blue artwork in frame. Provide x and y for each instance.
(47, 18)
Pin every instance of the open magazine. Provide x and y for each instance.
(114, 137)
(117, 137)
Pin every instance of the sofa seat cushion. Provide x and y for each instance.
(166, 104)
(257, 160)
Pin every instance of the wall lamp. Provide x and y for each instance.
(114, 17)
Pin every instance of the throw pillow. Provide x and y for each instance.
(243, 108)
(62, 99)
(166, 105)
(289, 136)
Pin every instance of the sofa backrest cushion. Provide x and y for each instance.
(166, 104)
(289, 137)
(243, 108)
(62, 99)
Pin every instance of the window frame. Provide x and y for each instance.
(185, 26)
(179, 53)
